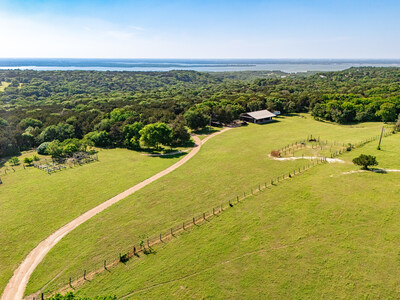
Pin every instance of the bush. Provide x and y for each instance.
(275, 153)
(14, 161)
(365, 161)
(42, 149)
(35, 158)
(28, 160)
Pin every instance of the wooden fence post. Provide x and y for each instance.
(194, 221)
(105, 265)
(160, 237)
(70, 284)
(84, 275)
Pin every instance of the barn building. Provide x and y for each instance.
(258, 117)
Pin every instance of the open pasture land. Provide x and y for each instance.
(226, 166)
(33, 204)
(327, 233)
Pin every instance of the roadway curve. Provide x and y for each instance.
(15, 287)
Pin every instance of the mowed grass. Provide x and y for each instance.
(323, 234)
(226, 166)
(34, 204)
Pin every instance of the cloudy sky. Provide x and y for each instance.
(200, 28)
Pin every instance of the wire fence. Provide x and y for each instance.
(145, 246)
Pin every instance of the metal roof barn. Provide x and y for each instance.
(258, 117)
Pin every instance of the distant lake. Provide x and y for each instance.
(202, 65)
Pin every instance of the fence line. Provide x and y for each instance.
(145, 246)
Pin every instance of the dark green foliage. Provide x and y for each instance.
(72, 296)
(51, 105)
(180, 135)
(365, 161)
(3, 123)
(42, 149)
(132, 134)
(25, 123)
(59, 132)
(124, 258)
(197, 118)
(100, 139)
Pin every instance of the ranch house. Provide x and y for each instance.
(258, 117)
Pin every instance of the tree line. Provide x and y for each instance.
(113, 109)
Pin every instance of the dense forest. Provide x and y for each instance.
(127, 109)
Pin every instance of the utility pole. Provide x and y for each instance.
(380, 140)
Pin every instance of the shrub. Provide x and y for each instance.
(365, 161)
(275, 153)
(14, 161)
(35, 158)
(28, 160)
(42, 149)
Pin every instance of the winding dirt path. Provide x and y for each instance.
(16, 285)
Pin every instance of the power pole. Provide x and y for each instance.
(380, 140)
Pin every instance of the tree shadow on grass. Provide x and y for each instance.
(377, 170)
(205, 131)
(176, 155)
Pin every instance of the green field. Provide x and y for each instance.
(227, 165)
(34, 204)
(323, 234)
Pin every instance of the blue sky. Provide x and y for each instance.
(200, 29)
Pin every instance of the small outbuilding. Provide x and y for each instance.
(258, 117)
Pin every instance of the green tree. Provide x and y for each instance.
(197, 118)
(180, 135)
(25, 123)
(99, 138)
(132, 135)
(365, 161)
(152, 135)
(14, 161)
(387, 112)
(55, 149)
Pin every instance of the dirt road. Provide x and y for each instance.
(16, 286)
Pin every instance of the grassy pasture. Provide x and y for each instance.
(227, 165)
(323, 234)
(34, 204)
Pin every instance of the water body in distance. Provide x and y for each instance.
(202, 65)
